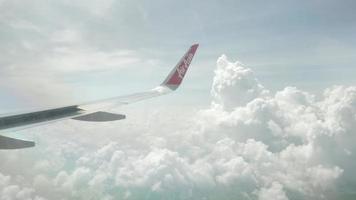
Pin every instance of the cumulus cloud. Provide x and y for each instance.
(249, 144)
(10, 190)
(234, 85)
(273, 192)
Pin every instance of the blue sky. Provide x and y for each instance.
(308, 44)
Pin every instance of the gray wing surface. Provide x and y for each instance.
(92, 111)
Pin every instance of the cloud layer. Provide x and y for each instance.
(249, 144)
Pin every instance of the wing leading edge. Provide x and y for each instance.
(93, 111)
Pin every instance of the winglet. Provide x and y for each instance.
(174, 79)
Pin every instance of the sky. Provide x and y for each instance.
(75, 46)
(267, 109)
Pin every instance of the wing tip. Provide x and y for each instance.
(196, 45)
(175, 78)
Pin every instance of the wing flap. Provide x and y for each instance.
(13, 143)
(100, 117)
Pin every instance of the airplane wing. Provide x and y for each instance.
(92, 111)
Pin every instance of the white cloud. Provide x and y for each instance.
(15, 191)
(100, 8)
(274, 192)
(287, 145)
(234, 85)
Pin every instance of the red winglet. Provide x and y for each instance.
(174, 79)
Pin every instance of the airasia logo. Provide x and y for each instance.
(184, 65)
